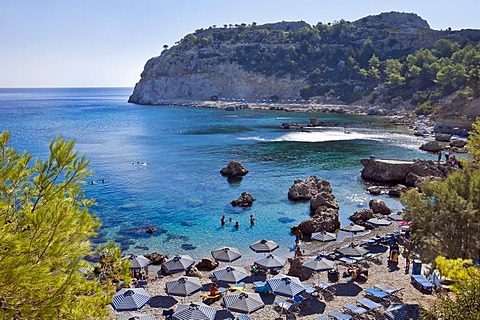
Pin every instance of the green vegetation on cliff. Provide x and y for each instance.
(385, 56)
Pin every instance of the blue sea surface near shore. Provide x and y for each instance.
(160, 164)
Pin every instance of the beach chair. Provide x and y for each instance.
(356, 310)
(300, 302)
(261, 287)
(237, 286)
(284, 305)
(388, 290)
(141, 283)
(369, 304)
(339, 316)
(323, 286)
(376, 293)
(421, 282)
(323, 318)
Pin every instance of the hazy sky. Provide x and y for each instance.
(95, 43)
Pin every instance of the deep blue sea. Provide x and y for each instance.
(160, 164)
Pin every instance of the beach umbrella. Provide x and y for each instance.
(194, 311)
(396, 216)
(379, 222)
(137, 261)
(352, 251)
(264, 246)
(183, 286)
(136, 316)
(285, 286)
(270, 262)
(243, 302)
(130, 299)
(319, 264)
(230, 274)
(178, 264)
(226, 254)
(324, 236)
(352, 227)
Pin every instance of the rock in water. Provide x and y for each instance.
(378, 206)
(245, 200)
(431, 146)
(234, 169)
(306, 189)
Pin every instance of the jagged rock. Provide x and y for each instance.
(362, 214)
(396, 171)
(326, 220)
(418, 133)
(193, 272)
(375, 190)
(156, 258)
(397, 190)
(207, 264)
(431, 146)
(458, 143)
(296, 269)
(234, 169)
(324, 200)
(245, 200)
(378, 206)
(443, 137)
(306, 189)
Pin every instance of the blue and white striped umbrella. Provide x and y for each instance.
(136, 316)
(270, 261)
(243, 302)
(183, 286)
(137, 261)
(264, 246)
(178, 264)
(226, 254)
(194, 311)
(230, 274)
(286, 286)
(130, 299)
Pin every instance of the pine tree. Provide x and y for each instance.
(45, 225)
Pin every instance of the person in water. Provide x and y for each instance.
(237, 225)
(222, 221)
(252, 220)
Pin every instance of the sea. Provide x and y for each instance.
(159, 166)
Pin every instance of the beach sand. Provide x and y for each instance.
(345, 291)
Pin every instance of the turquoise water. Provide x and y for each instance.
(160, 164)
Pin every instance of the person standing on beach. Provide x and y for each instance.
(439, 156)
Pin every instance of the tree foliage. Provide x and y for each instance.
(473, 143)
(445, 216)
(464, 304)
(45, 225)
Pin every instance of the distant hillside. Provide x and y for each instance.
(388, 62)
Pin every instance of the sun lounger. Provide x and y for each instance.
(323, 285)
(347, 260)
(284, 305)
(388, 290)
(323, 318)
(261, 287)
(369, 304)
(237, 286)
(421, 282)
(339, 316)
(355, 309)
(376, 293)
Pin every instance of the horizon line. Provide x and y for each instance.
(76, 87)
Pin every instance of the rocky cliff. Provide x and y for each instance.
(344, 61)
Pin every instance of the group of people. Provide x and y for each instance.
(448, 159)
(236, 225)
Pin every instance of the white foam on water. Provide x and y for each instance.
(317, 136)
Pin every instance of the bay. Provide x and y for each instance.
(159, 165)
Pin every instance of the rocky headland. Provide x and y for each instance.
(293, 66)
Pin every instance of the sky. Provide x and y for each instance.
(106, 43)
